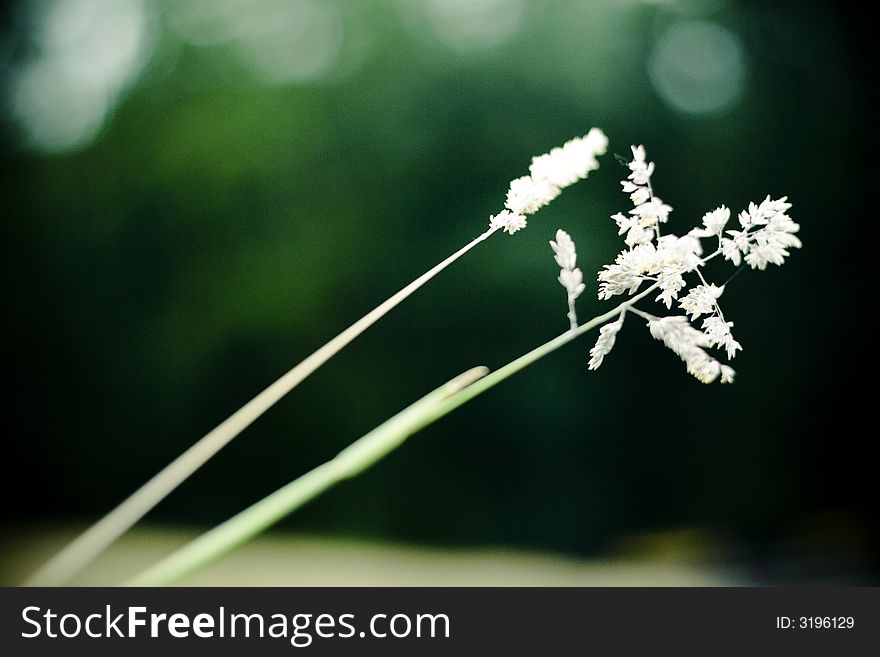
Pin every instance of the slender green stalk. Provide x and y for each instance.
(89, 545)
(359, 456)
(350, 462)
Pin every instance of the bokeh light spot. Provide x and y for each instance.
(86, 54)
(474, 24)
(297, 41)
(279, 41)
(698, 67)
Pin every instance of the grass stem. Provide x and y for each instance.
(72, 559)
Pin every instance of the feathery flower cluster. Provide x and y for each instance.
(700, 300)
(767, 234)
(689, 344)
(570, 276)
(664, 262)
(549, 175)
(603, 346)
(644, 220)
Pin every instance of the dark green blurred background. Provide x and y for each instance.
(201, 193)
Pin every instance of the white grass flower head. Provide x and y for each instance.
(670, 285)
(701, 300)
(573, 281)
(688, 344)
(767, 235)
(727, 374)
(648, 211)
(677, 333)
(605, 342)
(639, 195)
(573, 161)
(704, 369)
(564, 251)
(635, 233)
(670, 264)
(679, 253)
(770, 247)
(595, 142)
(713, 222)
(570, 276)
(641, 170)
(651, 212)
(761, 214)
(553, 168)
(527, 196)
(733, 247)
(719, 334)
(628, 272)
(508, 221)
(549, 175)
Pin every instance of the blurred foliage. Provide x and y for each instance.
(246, 192)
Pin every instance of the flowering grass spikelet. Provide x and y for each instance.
(508, 221)
(628, 271)
(688, 343)
(670, 285)
(727, 374)
(573, 281)
(718, 332)
(564, 251)
(605, 342)
(765, 236)
(641, 170)
(704, 369)
(548, 175)
(527, 196)
(570, 276)
(700, 300)
(651, 212)
(635, 232)
(566, 164)
(713, 222)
